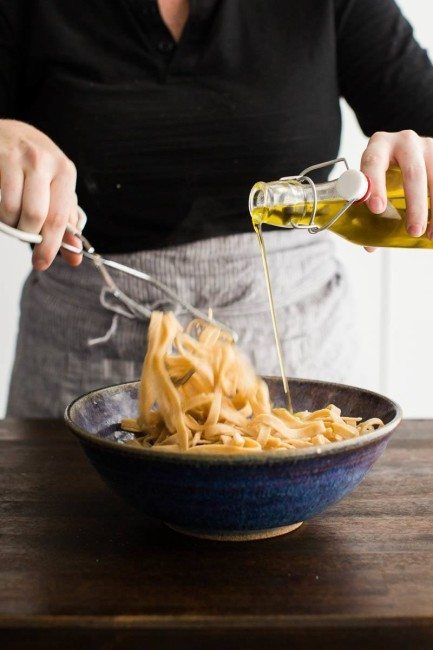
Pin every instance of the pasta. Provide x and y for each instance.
(200, 394)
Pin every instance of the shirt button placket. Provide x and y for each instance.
(165, 46)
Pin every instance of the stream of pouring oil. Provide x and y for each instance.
(258, 231)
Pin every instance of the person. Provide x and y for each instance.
(160, 115)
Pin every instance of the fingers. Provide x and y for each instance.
(428, 154)
(409, 155)
(11, 186)
(72, 258)
(374, 164)
(35, 201)
(74, 215)
(37, 183)
(414, 156)
(61, 193)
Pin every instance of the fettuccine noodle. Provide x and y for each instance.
(200, 394)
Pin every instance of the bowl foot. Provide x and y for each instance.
(236, 536)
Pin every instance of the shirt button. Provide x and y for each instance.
(165, 46)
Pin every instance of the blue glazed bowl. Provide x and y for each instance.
(240, 497)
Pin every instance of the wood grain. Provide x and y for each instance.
(78, 565)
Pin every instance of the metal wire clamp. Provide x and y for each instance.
(304, 178)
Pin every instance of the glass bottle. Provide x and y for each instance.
(338, 205)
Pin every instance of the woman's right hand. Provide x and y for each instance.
(37, 183)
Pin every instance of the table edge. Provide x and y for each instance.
(215, 622)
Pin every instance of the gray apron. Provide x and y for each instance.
(69, 344)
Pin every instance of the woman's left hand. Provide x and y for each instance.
(414, 155)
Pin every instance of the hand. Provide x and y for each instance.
(414, 155)
(37, 184)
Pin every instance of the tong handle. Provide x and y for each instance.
(33, 238)
(28, 237)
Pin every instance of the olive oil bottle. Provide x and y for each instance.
(338, 206)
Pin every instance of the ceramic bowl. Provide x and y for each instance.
(232, 497)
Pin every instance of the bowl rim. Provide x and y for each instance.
(342, 447)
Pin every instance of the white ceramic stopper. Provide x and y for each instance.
(352, 185)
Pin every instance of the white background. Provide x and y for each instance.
(393, 290)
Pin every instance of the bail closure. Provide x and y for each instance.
(353, 194)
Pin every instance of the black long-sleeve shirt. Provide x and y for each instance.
(168, 138)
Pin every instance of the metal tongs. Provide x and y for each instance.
(131, 308)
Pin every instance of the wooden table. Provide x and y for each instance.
(78, 566)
